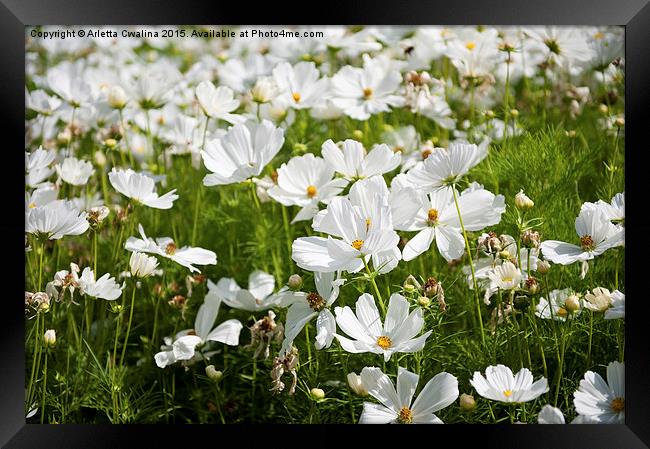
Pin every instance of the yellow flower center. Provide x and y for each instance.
(599, 35)
(170, 248)
(562, 312)
(311, 191)
(432, 216)
(357, 244)
(618, 405)
(587, 243)
(405, 416)
(367, 92)
(384, 342)
(470, 46)
(426, 154)
(368, 223)
(32, 205)
(296, 97)
(507, 393)
(506, 279)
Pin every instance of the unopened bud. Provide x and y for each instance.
(213, 374)
(504, 255)
(110, 143)
(489, 113)
(295, 281)
(522, 201)
(64, 136)
(543, 267)
(354, 381)
(116, 97)
(467, 402)
(317, 394)
(514, 113)
(572, 303)
(424, 301)
(357, 134)
(619, 122)
(100, 158)
(603, 108)
(49, 338)
(570, 133)
(299, 147)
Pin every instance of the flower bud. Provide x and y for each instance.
(424, 301)
(299, 147)
(530, 239)
(504, 255)
(532, 286)
(570, 133)
(467, 402)
(619, 122)
(411, 284)
(514, 113)
(49, 338)
(295, 281)
(264, 90)
(110, 143)
(543, 266)
(357, 134)
(64, 137)
(489, 114)
(116, 97)
(142, 265)
(603, 108)
(354, 381)
(522, 202)
(317, 394)
(213, 374)
(572, 303)
(100, 158)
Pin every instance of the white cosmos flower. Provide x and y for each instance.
(617, 306)
(184, 135)
(352, 161)
(105, 287)
(444, 167)
(305, 181)
(75, 171)
(142, 265)
(505, 276)
(373, 200)
(38, 100)
(613, 211)
(67, 80)
(184, 347)
(550, 415)
(40, 197)
(397, 406)
(499, 384)
(218, 102)
(55, 220)
(396, 335)
(555, 308)
(437, 218)
(164, 246)
(257, 297)
(241, 153)
(306, 306)
(37, 166)
(602, 402)
(362, 92)
(153, 85)
(300, 86)
(597, 234)
(141, 188)
(356, 241)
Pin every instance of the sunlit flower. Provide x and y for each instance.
(218, 102)
(397, 406)
(352, 161)
(55, 220)
(257, 297)
(617, 306)
(37, 166)
(300, 85)
(306, 306)
(499, 384)
(166, 247)
(396, 335)
(242, 153)
(596, 233)
(602, 402)
(142, 265)
(140, 188)
(104, 288)
(75, 171)
(184, 346)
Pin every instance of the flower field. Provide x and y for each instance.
(325, 225)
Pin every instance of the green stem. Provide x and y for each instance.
(44, 390)
(374, 284)
(471, 264)
(128, 327)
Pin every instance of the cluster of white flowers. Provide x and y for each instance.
(372, 205)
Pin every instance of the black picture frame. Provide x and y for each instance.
(633, 14)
